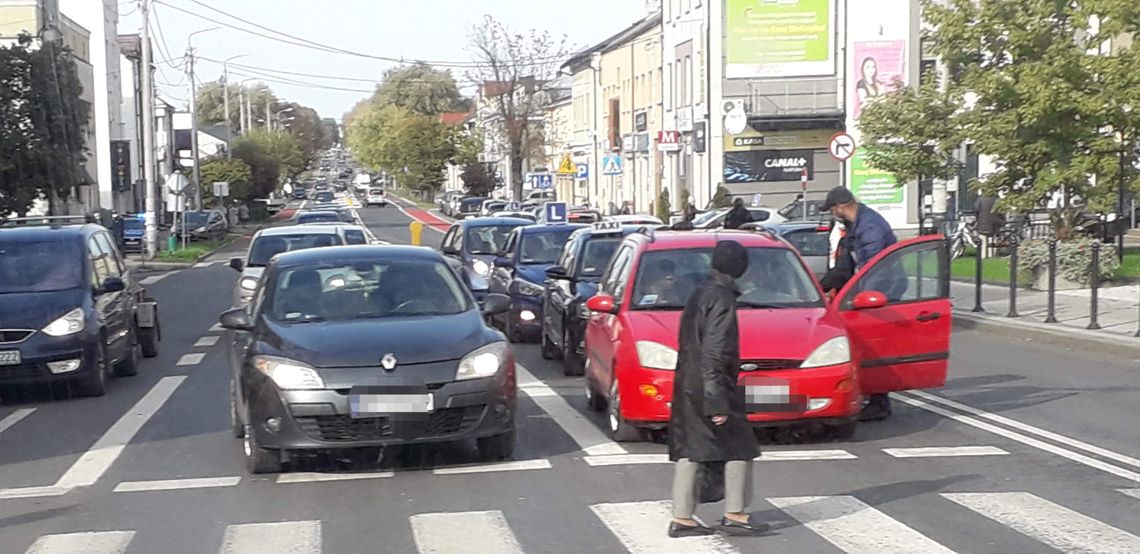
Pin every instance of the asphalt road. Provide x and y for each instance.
(992, 463)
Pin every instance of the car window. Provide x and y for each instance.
(370, 289)
(543, 247)
(810, 242)
(448, 238)
(265, 247)
(566, 259)
(41, 266)
(99, 267)
(509, 247)
(318, 217)
(708, 217)
(910, 274)
(759, 215)
(114, 265)
(487, 239)
(614, 278)
(355, 236)
(595, 255)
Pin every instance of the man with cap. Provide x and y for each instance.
(738, 215)
(867, 235)
(709, 425)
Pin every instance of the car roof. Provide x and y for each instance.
(36, 233)
(493, 221)
(354, 253)
(542, 228)
(314, 229)
(672, 240)
(626, 230)
(797, 225)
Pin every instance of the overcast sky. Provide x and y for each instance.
(416, 29)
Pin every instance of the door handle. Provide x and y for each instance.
(928, 316)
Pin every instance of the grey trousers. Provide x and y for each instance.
(737, 487)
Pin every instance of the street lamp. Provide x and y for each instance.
(276, 116)
(226, 100)
(245, 104)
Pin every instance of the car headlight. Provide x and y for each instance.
(483, 362)
(288, 374)
(481, 267)
(527, 288)
(248, 283)
(656, 355)
(200, 230)
(72, 322)
(833, 352)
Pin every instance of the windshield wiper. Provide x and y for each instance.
(761, 305)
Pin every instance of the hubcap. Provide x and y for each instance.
(246, 443)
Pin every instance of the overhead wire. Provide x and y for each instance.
(291, 82)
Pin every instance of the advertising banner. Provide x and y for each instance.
(762, 166)
(779, 38)
(880, 69)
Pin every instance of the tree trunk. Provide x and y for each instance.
(517, 175)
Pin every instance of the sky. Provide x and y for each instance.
(416, 29)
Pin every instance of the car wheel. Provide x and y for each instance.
(130, 366)
(510, 330)
(148, 339)
(497, 447)
(260, 460)
(844, 431)
(237, 426)
(95, 384)
(594, 400)
(620, 429)
(548, 350)
(571, 364)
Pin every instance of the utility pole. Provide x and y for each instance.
(194, 128)
(226, 104)
(268, 115)
(148, 137)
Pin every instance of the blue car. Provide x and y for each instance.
(134, 231)
(471, 246)
(520, 272)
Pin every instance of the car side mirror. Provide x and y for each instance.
(603, 303)
(557, 273)
(503, 261)
(111, 284)
(238, 264)
(447, 250)
(237, 319)
(869, 299)
(495, 304)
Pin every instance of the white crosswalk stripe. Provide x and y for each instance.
(1135, 493)
(846, 522)
(294, 537)
(642, 528)
(1052, 524)
(444, 533)
(103, 542)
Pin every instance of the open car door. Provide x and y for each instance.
(898, 316)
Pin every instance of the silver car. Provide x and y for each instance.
(275, 240)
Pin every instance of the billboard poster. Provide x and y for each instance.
(880, 67)
(872, 186)
(763, 166)
(779, 38)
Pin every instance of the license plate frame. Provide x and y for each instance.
(364, 405)
(10, 358)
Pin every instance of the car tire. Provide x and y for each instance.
(844, 431)
(571, 364)
(620, 429)
(511, 330)
(497, 447)
(129, 367)
(260, 460)
(594, 401)
(149, 337)
(548, 350)
(237, 425)
(95, 384)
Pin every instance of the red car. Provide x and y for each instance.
(802, 358)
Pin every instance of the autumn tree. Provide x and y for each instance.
(420, 88)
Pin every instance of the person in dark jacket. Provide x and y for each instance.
(737, 216)
(867, 235)
(709, 423)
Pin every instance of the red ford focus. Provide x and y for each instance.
(802, 357)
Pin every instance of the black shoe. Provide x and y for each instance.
(677, 530)
(874, 412)
(732, 527)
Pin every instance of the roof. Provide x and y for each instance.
(672, 240)
(305, 228)
(40, 232)
(626, 230)
(217, 131)
(493, 222)
(578, 59)
(454, 118)
(337, 254)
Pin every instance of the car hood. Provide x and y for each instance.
(788, 333)
(34, 310)
(362, 342)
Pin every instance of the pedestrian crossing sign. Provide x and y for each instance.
(567, 166)
(611, 165)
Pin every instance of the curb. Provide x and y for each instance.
(1066, 337)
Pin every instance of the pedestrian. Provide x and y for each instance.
(737, 216)
(867, 235)
(709, 426)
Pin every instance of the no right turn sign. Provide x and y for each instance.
(841, 146)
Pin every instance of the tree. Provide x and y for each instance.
(420, 88)
(414, 147)
(310, 130)
(512, 69)
(664, 210)
(476, 180)
(212, 109)
(233, 171)
(332, 130)
(270, 156)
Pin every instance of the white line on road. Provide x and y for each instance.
(201, 265)
(945, 451)
(14, 418)
(321, 477)
(153, 279)
(444, 533)
(847, 523)
(217, 327)
(1054, 525)
(522, 465)
(587, 435)
(641, 527)
(33, 492)
(191, 359)
(177, 484)
(627, 459)
(804, 455)
(104, 542)
(207, 341)
(294, 537)
(1135, 493)
(1029, 441)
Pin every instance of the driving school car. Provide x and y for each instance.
(801, 358)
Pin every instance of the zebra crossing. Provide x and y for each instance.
(846, 523)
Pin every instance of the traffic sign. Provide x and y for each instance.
(555, 212)
(540, 180)
(611, 165)
(221, 189)
(756, 199)
(841, 146)
(582, 171)
(567, 167)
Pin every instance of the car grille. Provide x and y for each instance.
(343, 428)
(768, 364)
(25, 371)
(10, 336)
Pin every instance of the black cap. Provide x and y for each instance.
(730, 258)
(835, 197)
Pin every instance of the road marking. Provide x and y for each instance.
(103, 542)
(1135, 493)
(1068, 441)
(587, 435)
(522, 465)
(444, 533)
(191, 359)
(14, 418)
(294, 537)
(147, 281)
(33, 492)
(802, 455)
(642, 529)
(1052, 524)
(209, 340)
(846, 522)
(627, 459)
(201, 265)
(321, 477)
(1030, 441)
(217, 327)
(945, 451)
(177, 484)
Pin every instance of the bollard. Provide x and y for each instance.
(417, 231)
(1051, 317)
(978, 279)
(171, 242)
(1094, 281)
(1014, 240)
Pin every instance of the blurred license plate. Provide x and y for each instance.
(366, 405)
(10, 357)
(770, 395)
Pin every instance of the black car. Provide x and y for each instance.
(70, 310)
(325, 196)
(472, 245)
(469, 207)
(569, 284)
(341, 349)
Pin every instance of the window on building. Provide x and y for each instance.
(687, 77)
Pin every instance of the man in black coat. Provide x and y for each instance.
(709, 424)
(738, 215)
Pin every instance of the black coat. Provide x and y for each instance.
(708, 363)
(736, 217)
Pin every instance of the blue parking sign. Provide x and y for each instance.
(555, 212)
(583, 171)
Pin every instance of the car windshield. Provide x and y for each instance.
(708, 217)
(487, 239)
(775, 279)
(543, 247)
(133, 224)
(365, 289)
(596, 255)
(318, 217)
(810, 242)
(195, 218)
(264, 248)
(43, 266)
(471, 204)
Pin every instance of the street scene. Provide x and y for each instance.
(484, 289)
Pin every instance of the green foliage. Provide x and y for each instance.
(686, 199)
(664, 210)
(420, 88)
(721, 198)
(235, 172)
(212, 108)
(468, 147)
(476, 180)
(270, 157)
(1074, 258)
(414, 147)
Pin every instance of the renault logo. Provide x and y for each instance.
(388, 362)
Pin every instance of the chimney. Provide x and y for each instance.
(652, 7)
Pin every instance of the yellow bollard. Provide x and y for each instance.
(417, 230)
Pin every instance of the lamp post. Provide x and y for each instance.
(226, 101)
(277, 116)
(1127, 109)
(244, 116)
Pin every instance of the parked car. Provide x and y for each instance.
(519, 273)
(541, 196)
(300, 193)
(375, 197)
(714, 219)
(206, 224)
(794, 210)
(635, 219)
(491, 206)
(134, 232)
(272, 241)
(811, 240)
(471, 246)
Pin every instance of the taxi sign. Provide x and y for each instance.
(605, 227)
